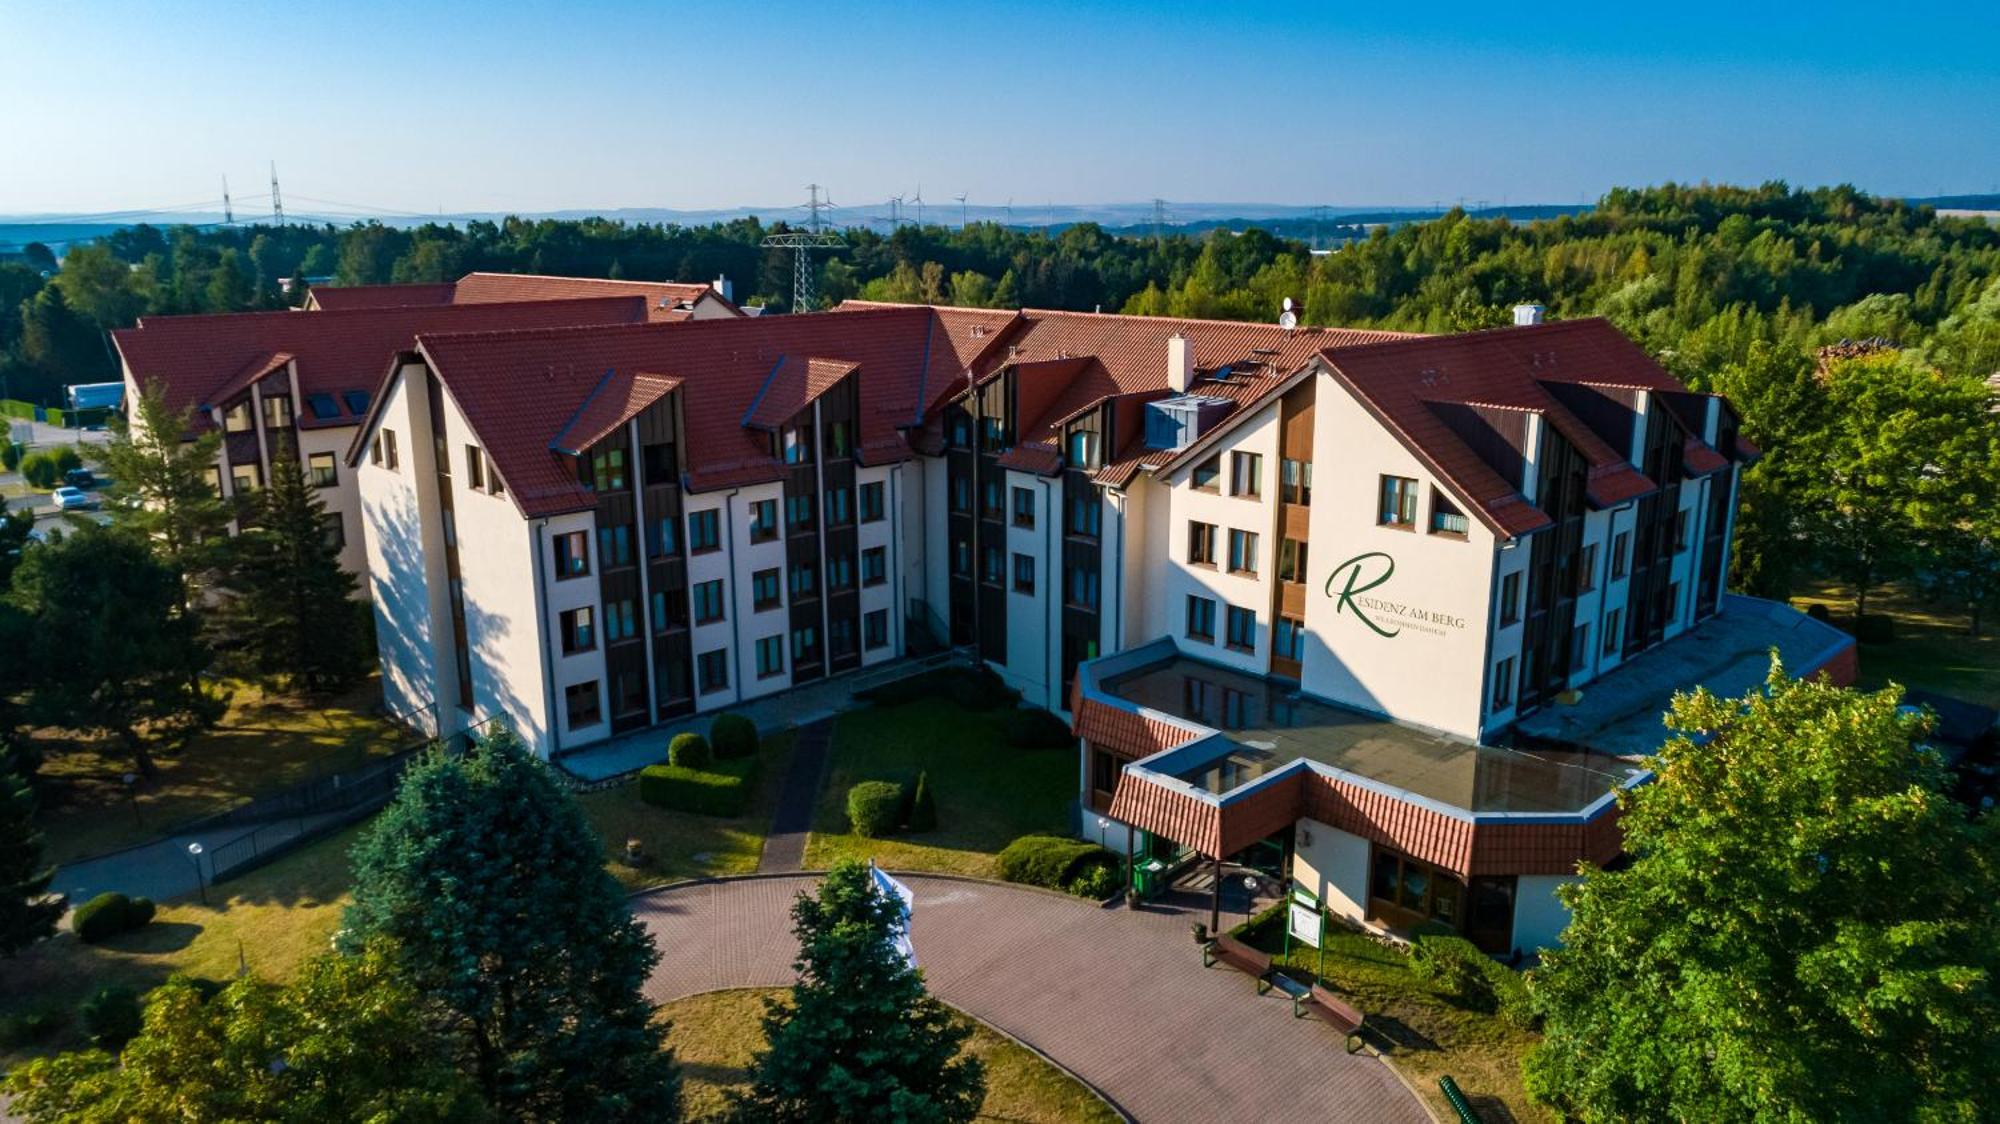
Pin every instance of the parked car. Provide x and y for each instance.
(73, 499)
(80, 478)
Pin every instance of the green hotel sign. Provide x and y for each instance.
(1350, 584)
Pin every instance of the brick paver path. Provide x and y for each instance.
(1120, 998)
(798, 798)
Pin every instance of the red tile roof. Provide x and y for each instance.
(619, 398)
(346, 298)
(665, 300)
(202, 361)
(792, 385)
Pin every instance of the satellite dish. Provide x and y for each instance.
(1288, 319)
(1287, 305)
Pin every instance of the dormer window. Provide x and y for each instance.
(1446, 518)
(236, 419)
(1082, 448)
(796, 445)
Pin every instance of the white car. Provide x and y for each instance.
(73, 499)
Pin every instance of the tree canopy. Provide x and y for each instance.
(1809, 929)
(290, 605)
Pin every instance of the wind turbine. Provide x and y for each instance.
(964, 218)
(918, 199)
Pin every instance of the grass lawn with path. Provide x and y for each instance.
(1933, 649)
(716, 1035)
(1423, 1034)
(681, 845)
(264, 743)
(988, 792)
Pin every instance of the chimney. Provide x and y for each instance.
(1527, 315)
(723, 288)
(1180, 363)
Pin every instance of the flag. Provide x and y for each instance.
(899, 936)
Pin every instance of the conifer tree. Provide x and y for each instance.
(161, 488)
(493, 884)
(859, 1039)
(291, 605)
(27, 913)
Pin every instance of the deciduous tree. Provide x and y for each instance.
(1809, 929)
(161, 487)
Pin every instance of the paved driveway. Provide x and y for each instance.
(1120, 998)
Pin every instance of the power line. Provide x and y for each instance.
(802, 243)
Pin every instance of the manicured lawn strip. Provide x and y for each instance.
(266, 742)
(988, 792)
(716, 1035)
(1933, 648)
(1427, 1035)
(679, 845)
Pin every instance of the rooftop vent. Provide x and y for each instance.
(724, 288)
(1527, 315)
(1180, 363)
(1176, 423)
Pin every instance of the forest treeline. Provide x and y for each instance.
(1767, 293)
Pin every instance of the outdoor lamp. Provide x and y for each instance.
(194, 856)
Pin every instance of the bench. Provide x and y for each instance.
(1228, 950)
(1331, 1009)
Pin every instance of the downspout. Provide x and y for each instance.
(1052, 634)
(540, 538)
(735, 628)
(636, 471)
(897, 609)
(1486, 653)
(1118, 614)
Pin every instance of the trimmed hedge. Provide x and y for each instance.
(923, 806)
(1058, 863)
(109, 914)
(1034, 728)
(722, 790)
(1457, 969)
(15, 408)
(111, 1017)
(689, 751)
(732, 735)
(874, 808)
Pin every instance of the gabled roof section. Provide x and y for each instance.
(346, 298)
(617, 399)
(202, 360)
(665, 300)
(793, 385)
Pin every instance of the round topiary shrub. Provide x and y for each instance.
(11, 453)
(67, 458)
(872, 808)
(40, 470)
(1058, 863)
(690, 751)
(111, 1017)
(109, 914)
(733, 735)
(1098, 881)
(922, 815)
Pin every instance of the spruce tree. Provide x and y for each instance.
(160, 487)
(292, 606)
(493, 884)
(27, 913)
(860, 1039)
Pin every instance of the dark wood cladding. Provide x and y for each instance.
(658, 473)
(1295, 443)
(1714, 544)
(1552, 577)
(978, 428)
(1082, 542)
(840, 408)
(1647, 607)
(625, 699)
(1499, 437)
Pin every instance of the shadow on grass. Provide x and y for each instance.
(160, 936)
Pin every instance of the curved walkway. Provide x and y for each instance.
(1118, 997)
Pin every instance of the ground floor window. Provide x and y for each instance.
(1405, 892)
(580, 705)
(875, 628)
(631, 688)
(770, 657)
(712, 668)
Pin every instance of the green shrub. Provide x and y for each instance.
(1034, 728)
(1056, 863)
(1098, 881)
(733, 735)
(11, 453)
(874, 808)
(111, 1017)
(1510, 995)
(1875, 629)
(29, 1027)
(40, 470)
(15, 408)
(970, 687)
(1450, 965)
(67, 458)
(922, 815)
(109, 914)
(722, 790)
(689, 751)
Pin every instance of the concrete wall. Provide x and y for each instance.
(1333, 864)
(343, 498)
(881, 533)
(1182, 578)
(401, 553)
(1539, 918)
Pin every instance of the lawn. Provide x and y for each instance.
(988, 792)
(716, 1035)
(1933, 648)
(266, 742)
(679, 845)
(1424, 1035)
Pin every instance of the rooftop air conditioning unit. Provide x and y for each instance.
(1176, 423)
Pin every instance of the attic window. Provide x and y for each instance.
(1446, 518)
(356, 400)
(323, 406)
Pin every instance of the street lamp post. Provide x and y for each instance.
(194, 856)
(132, 797)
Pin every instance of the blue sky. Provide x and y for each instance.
(698, 103)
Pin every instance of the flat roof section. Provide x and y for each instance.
(1270, 724)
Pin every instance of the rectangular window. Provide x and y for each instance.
(799, 512)
(961, 559)
(1024, 573)
(320, 470)
(797, 444)
(669, 611)
(323, 407)
(614, 546)
(580, 705)
(1510, 598)
(1242, 628)
(1673, 603)
(1242, 552)
(1207, 475)
(839, 573)
(1290, 638)
(1680, 531)
(237, 418)
(607, 470)
(1618, 553)
(1579, 647)
(1399, 502)
(572, 555)
(475, 469)
(712, 670)
(1613, 631)
(1086, 515)
(770, 657)
(875, 629)
(245, 477)
(993, 565)
(871, 502)
(1291, 561)
(805, 645)
(803, 581)
(1201, 618)
(1503, 684)
(763, 520)
(621, 620)
(1446, 518)
(836, 507)
(836, 439)
(277, 413)
(840, 637)
(1586, 575)
(961, 494)
(989, 500)
(334, 530)
(660, 464)
(214, 478)
(493, 483)
(1246, 475)
(1024, 508)
(666, 533)
(961, 430)
(1082, 449)
(385, 450)
(764, 592)
(1081, 586)
(704, 531)
(874, 565)
(707, 598)
(1201, 544)
(1295, 481)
